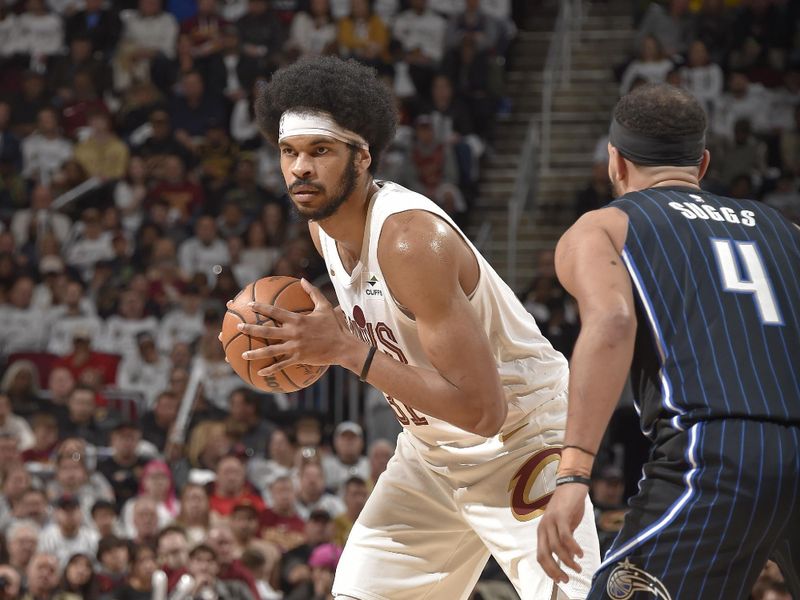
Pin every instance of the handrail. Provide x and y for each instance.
(537, 138)
(558, 64)
(524, 187)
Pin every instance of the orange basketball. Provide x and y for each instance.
(283, 292)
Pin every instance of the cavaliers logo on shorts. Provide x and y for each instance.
(526, 483)
(626, 579)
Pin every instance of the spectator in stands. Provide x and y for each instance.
(355, 497)
(10, 150)
(41, 33)
(231, 569)
(26, 106)
(201, 253)
(295, 571)
(157, 422)
(312, 495)
(790, 146)
(205, 31)
(13, 581)
(161, 144)
(14, 425)
(262, 38)
(313, 32)
(651, 65)
(488, 32)
(9, 453)
(140, 581)
(45, 439)
(245, 422)
(145, 522)
(231, 487)
(122, 328)
(193, 112)
(75, 314)
(172, 552)
(433, 168)
(672, 26)
(15, 483)
(155, 485)
(79, 577)
(79, 60)
(470, 68)
(89, 245)
(743, 154)
(323, 561)
(244, 524)
(597, 193)
(195, 513)
(29, 226)
(43, 579)
(280, 522)
(262, 471)
(421, 33)
(32, 507)
(104, 518)
(703, 78)
(75, 476)
(146, 371)
(785, 197)
(743, 100)
(21, 384)
(123, 467)
(261, 562)
(86, 366)
(22, 536)
(81, 419)
(147, 33)
(102, 153)
(363, 35)
(203, 566)
(608, 489)
(99, 25)
(380, 451)
(761, 36)
(348, 459)
(68, 535)
(113, 556)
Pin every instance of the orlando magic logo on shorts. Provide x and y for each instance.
(626, 579)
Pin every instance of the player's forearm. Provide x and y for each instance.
(427, 391)
(600, 364)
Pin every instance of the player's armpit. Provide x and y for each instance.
(426, 265)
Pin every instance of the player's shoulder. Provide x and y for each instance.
(415, 234)
(610, 220)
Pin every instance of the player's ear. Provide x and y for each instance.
(704, 165)
(363, 159)
(617, 169)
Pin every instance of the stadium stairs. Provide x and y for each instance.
(581, 112)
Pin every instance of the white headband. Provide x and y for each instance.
(317, 123)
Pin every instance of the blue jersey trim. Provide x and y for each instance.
(663, 352)
(672, 512)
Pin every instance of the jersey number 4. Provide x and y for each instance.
(757, 282)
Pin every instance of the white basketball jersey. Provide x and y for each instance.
(531, 371)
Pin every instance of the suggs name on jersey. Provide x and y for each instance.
(691, 210)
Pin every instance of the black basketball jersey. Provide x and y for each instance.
(717, 283)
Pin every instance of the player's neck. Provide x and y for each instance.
(348, 224)
(663, 178)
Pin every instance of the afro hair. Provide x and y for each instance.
(351, 92)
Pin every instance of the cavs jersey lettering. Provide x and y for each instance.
(531, 371)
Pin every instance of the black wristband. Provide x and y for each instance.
(584, 450)
(564, 479)
(367, 363)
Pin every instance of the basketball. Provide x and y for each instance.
(282, 292)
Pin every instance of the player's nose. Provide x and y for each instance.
(303, 166)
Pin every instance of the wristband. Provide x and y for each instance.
(367, 363)
(565, 479)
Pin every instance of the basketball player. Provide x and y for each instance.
(699, 296)
(480, 393)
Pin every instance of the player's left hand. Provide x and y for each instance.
(555, 532)
(317, 338)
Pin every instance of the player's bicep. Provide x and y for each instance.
(589, 266)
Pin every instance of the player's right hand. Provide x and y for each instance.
(555, 532)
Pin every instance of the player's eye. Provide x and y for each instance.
(320, 151)
(287, 151)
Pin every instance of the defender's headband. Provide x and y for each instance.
(684, 151)
(317, 123)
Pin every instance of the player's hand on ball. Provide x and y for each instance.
(316, 338)
(562, 515)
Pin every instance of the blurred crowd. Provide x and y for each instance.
(137, 196)
(741, 60)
